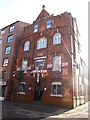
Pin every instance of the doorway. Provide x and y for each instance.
(38, 92)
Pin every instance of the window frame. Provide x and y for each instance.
(37, 61)
(5, 64)
(2, 31)
(24, 65)
(10, 37)
(48, 24)
(56, 36)
(11, 28)
(56, 91)
(35, 28)
(0, 41)
(26, 46)
(22, 92)
(7, 51)
(3, 75)
(57, 68)
(42, 43)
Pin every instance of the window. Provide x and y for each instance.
(48, 24)
(56, 88)
(26, 45)
(3, 74)
(24, 65)
(40, 64)
(0, 41)
(5, 62)
(22, 87)
(2, 31)
(57, 63)
(11, 28)
(35, 28)
(10, 38)
(7, 50)
(57, 39)
(42, 43)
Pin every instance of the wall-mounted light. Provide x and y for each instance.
(14, 73)
(45, 88)
(29, 88)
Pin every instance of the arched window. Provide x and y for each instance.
(42, 43)
(26, 45)
(57, 39)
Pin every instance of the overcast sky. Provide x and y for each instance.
(28, 10)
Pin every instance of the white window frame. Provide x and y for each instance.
(48, 24)
(58, 65)
(5, 62)
(27, 45)
(42, 43)
(12, 28)
(55, 83)
(36, 28)
(7, 50)
(57, 38)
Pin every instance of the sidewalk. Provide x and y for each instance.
(78, 112)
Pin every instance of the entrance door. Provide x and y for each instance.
(38, 92)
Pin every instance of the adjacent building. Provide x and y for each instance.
(45, 63)
(11, 36)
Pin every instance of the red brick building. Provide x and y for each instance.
(49, 55)
(11, 36)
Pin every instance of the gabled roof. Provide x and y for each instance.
(43, 14)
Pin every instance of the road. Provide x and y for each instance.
(38, 111)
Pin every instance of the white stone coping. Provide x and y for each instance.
(38, 71)
(21, 93)
(56, 95)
